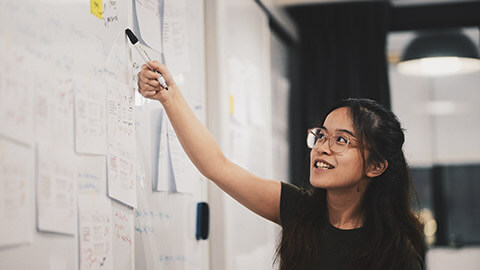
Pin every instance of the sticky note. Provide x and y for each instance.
(96, 8)
(231, 104)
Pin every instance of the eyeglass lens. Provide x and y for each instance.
(338, 142)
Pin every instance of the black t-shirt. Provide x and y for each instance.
(335, 245)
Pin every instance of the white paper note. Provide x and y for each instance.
(90, 116)
(56, 189)
(239, 91)
(123, 237)
(165, 181)
(53, 107)
(162, 227)
(239, 145)
(149, 16)
(121, 143)
(92, 175)
(256, 98)
(16, 180)
(16, 94)
(186, 175)
(95, 232)
(175, 42)
(117, 65)
(110, 14)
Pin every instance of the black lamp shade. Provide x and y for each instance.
(440, 44)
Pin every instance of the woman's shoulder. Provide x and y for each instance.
(292, 194)
(291, 199)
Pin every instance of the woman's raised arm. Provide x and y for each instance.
(261, 196)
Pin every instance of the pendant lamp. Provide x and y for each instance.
(440, 53)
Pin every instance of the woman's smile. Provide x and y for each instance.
(321, 166)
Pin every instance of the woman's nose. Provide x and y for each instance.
(322, 146)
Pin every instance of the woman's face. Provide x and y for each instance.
(332, 170)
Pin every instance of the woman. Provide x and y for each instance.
(357, 215)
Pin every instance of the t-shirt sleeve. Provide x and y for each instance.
(290, 199)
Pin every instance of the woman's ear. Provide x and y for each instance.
(376, 168)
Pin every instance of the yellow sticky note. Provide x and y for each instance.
(96, 8)
(231, 104)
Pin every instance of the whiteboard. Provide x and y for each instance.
(43, 46)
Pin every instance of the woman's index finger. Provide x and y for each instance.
(150, 74)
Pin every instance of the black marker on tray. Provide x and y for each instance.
(134, 40)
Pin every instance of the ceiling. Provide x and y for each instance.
(406, 15)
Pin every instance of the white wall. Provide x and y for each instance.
(239, 73)
(449, 258)
(409, 96)
(441, 117)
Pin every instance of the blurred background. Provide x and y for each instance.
(420, 57)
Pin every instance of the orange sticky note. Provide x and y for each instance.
(96, 8)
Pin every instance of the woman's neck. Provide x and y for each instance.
(344, 208)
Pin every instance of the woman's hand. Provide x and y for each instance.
(148, 85)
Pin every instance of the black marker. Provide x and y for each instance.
(134, 40)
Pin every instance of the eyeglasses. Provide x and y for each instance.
(338, 142)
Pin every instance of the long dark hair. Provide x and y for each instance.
(393, 232)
